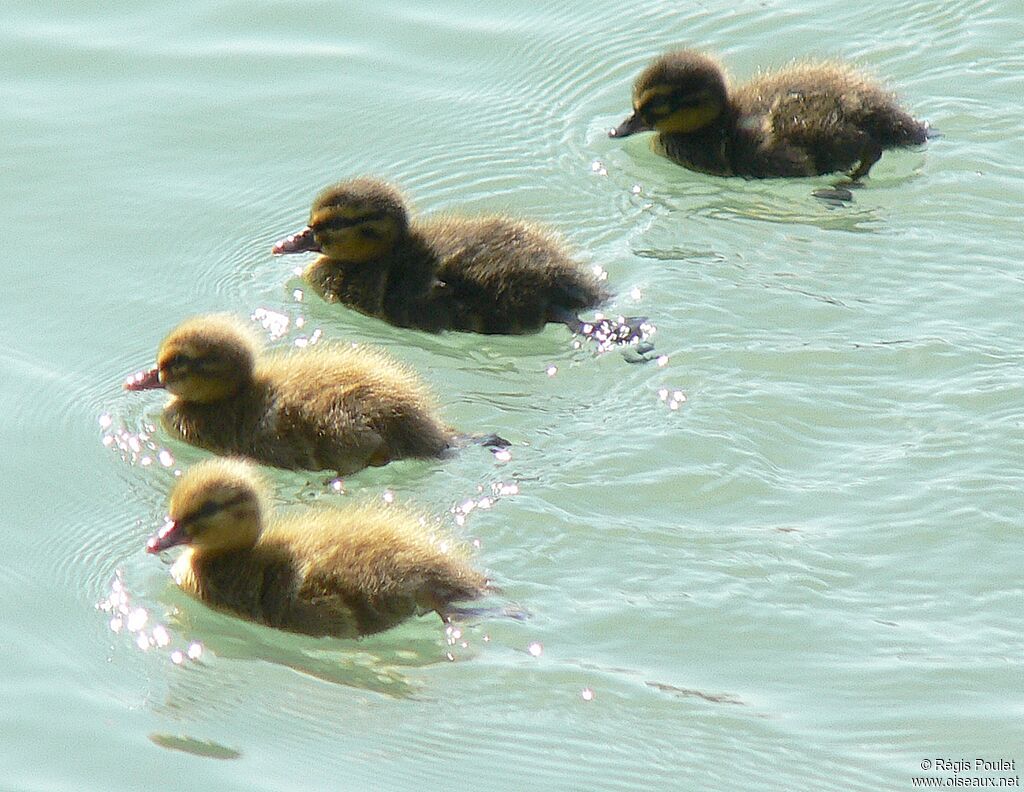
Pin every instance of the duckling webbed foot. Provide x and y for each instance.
(494, 443)
(869, 155)
(631, 333)
(608, 333)
(839, 194)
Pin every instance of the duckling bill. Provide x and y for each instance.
(805, 120)
(491, 275)
(327, 407)
(319, 571)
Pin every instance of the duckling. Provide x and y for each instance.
(481, 275)
(325, 407)
(319, 571)
(806, 120)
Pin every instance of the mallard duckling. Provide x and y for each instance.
(806, 120)
(481, 275)
(320, 571)
(325, 407)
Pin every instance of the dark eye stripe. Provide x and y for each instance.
(194, 364)
(674, 101)
(338, 223)
(210, 508)
(174, 361)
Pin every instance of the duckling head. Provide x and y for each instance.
(217, 506)
(204, 359)
(679, 92)
(353, 222)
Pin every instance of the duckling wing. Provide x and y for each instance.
(344, 409)
(506, 276)
(314, 417)
(815, 118)
(377, 564)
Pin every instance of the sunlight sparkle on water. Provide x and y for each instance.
(135, 448)
(309, 340)
(273, 322)
(598, 167)
(587, 694)
(136, 619)
(535, 649)
(662, 361)
(551, 370)
(673, 398)
(484, 502)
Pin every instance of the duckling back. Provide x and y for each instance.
(326, 408)
(506, 276)
(805, 120)
(486, 275)
(338, 572)
(817, 118)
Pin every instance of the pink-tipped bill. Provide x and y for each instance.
(302, 242)
(630, 126)
(171, 534)
(143, 380)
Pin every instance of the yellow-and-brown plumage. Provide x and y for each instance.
(325, 407)
(805, 120)
(319, 571)
(476, 274)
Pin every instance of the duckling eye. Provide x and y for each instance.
(181, 364)
(663, 106)
(659, 109)
(370, 233)
(341, 222)
(211, 508)
(208, 509)
(177, 364)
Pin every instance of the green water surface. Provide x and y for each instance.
(784, 556)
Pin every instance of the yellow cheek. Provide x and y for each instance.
(353, 245)
(201, 390)
(689, 118)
